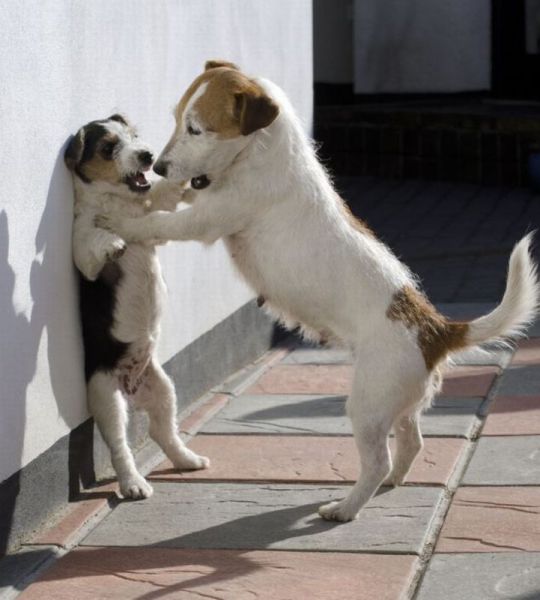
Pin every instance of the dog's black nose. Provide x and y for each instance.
(147, 158)
(161, 168)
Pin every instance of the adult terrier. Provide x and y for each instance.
(293, 239)
(121, 291)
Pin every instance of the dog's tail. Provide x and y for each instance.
(519, 306)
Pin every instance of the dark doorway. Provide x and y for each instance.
(516, 49)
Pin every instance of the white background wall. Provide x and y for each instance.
(422, 45)
(63, 63)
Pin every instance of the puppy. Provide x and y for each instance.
(121, 292)
(295, 242)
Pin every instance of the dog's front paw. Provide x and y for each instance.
(338, 511)
(135, 487)
(115, 249)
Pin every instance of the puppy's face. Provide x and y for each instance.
(108, 154)
(214, 122)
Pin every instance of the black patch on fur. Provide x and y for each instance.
(94, 132)
(119, 118)
(97, 300)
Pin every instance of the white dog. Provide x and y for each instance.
(120, 295)
(264, 192)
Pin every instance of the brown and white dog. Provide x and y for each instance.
(121, 291)
(292, 238)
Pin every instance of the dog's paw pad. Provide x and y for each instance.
(136, 488)
(337, 511)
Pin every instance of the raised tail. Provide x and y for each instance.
(520, 303)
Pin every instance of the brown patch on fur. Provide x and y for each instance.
(216, 64)
(437, 336)
(100, 169)
(232, 104)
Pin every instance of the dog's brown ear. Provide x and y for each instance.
(216, 64)
(74, 150)
(255, 111)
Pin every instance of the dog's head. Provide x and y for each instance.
(215, 120)
(108, 154)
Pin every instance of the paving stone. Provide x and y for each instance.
(337, 379)
(17, 569)
(520, 381)
(501, 576)
(322, 356)
(505, 461)
(304, 379)
(303, 459)
(305, 414)
(513, 415)
(120, 573)
(528, 353)
(243, 516)
(469, 381)
(492, 519)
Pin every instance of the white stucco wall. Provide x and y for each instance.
(422, 46)
(63, 63)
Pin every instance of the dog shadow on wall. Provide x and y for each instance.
(22, 335)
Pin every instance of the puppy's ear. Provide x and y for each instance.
(254, 111)
(215, 64)
(74, 150)
(119, 118)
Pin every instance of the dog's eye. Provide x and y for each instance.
(107, 150)
(192, 131)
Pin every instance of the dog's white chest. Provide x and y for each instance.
(139, 295)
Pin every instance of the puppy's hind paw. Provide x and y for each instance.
(188, 460)
(136, 488)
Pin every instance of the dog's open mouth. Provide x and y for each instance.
(137, 182)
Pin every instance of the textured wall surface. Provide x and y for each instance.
(62, 64)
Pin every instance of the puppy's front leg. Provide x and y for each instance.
(191, 224)
(93, 247)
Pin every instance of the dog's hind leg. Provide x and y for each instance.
(408, 444)
(157, 396)
(384, 384)
(108, 407)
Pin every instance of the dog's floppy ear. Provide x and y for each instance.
(74, 150)
(215, 64)
(119, 118)
(254, 111)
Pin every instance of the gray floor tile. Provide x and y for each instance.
(19, 569)
(268, 516)
(520, 381)
(484, 576)
(325, 415)
(511, 460)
